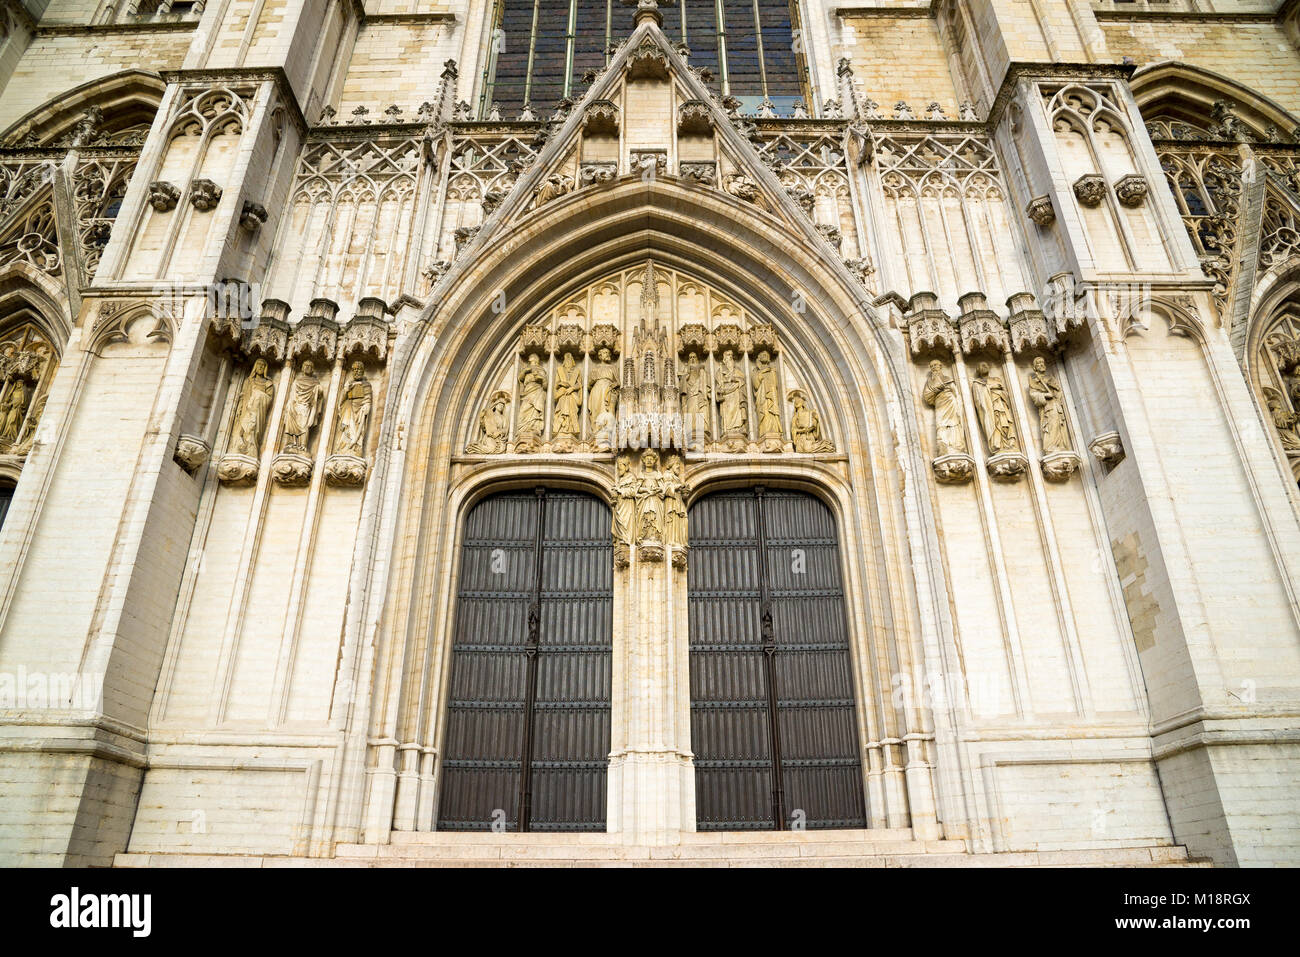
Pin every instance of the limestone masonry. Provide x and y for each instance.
(758, 432)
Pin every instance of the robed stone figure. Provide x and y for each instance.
(604, 382)
(252, 411)
(1045, 392)
(941, 394)
(994, 407)
(306, 398)
(354, 414)
(733, 414)
(697, 395)
(767, 402)
(626, 486)
(568, 398)
(532, 399)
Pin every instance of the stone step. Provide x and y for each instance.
(1087, 858)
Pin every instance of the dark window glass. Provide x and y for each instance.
(6, 496)
(536, 40)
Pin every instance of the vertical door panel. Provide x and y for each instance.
(488, 700)
(789, 566)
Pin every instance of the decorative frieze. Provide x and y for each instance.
(596, 174)
(704, 172)
(645, 160)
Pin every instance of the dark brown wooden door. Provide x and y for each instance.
(527, 740)
(773, 715)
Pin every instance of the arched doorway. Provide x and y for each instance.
(528, 712)
(773, 709)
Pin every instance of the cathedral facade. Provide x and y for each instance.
(463, 427)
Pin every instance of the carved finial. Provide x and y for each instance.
(648, 10)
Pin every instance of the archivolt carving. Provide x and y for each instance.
(647, 357)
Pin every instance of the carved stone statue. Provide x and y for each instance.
(1045, 393)
(941, 394)
(650, 502)
(354, 414)
(13, 409)
(28, 435)
(733, 414)
(306, 397)
(806, 426)
(568, 399)
(674, 489)
(1285, 422)
(767, 400)
(605, 430)
(252, 412)
(626, 485)
(604, 380)
(493, 426)
(994, 407)
(697, 394)
(532, 402)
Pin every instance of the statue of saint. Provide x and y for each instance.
(568, 398)
(697, 395)
(604, 380)
(626, 486)
(13, 408)
(766, 397)
(1045, 392)
(650, 503)
(605, 430)
(994, 407)
(674, 489)
(941, 394)
(1284, 420)
(806, 426)
(493, 426)
(354, 414)
(306, 396)
(532, 400)
(733, 414)
(252, 412)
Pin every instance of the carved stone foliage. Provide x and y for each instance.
(649, 508)
(647, 160)
(1107, 448)
(191, 452)
(28, 361)
(647, 358)
(597, 174)
(99, 186)
(704, 172)
(740, 186)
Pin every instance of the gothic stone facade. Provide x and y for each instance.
(288, 295)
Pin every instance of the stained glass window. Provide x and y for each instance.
(540, 49)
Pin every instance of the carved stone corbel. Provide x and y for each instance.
(1040, 211)
(597, 174)
(163, 196)
(1059, 466)
(601, 117)
(1090, 189)
(345, 471)
(268, 338)
(237, 470)
(204, 195)
(694, 116)
(291, 469)
(252, 216)
(1107, 448)
(316, 334)
(191, 452)
(366, 334)
(646, 159)
(1007, 466)
(703, 172)
(1131, 190)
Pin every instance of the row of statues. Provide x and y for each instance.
(728, 389)
(650, 508)
(302, 412)
(993, 409)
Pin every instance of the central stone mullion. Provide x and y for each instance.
(651, 776)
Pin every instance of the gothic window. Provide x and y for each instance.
(6, 497)
(540, 49)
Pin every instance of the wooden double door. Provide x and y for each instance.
(773, 711)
